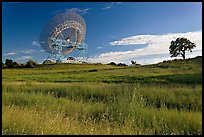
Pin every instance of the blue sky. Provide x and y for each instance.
(116, 31)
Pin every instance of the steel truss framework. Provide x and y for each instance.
(64, 34)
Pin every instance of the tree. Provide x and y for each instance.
(180, 46)
(31, 64)
(3, 65)
(15, 65)
(47, 61)
(21, 65)
(10, 64)
(121, 64)
(133, 62)
(112, 63)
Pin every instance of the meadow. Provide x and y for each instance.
(163, 98)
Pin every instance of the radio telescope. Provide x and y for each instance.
(63, 34)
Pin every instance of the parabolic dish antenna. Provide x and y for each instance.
(63, 34)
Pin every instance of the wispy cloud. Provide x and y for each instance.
(157, 44)
(110, 5)
(116, 2)
(155, 41)
(78, 10)
(28, 51)
(36, 43)
(24, 57)
(42, 50)
(10, 54)
(99, 47)
(107, 7)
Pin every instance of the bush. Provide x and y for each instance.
(3, 65)
(31, 64)
(93, 70)
(112, 63)
(121, 64)
(10, 64)
(47, 61)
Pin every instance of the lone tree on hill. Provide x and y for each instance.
(180, 46)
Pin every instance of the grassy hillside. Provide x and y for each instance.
(163, 98)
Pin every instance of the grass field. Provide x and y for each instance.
(163, 98)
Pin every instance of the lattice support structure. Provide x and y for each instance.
(81, 52)
(64, 34)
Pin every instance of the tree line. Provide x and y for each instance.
(176, 48)
(12, 64)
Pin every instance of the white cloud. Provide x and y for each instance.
(78, 10)
(157, 44)
(24, 57)
(28, 51)
(153, 60)
(109, 6)
(118, 2)
(98, 47)
(10, 54)
(35, 43)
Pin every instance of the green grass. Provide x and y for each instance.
(103, 99)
